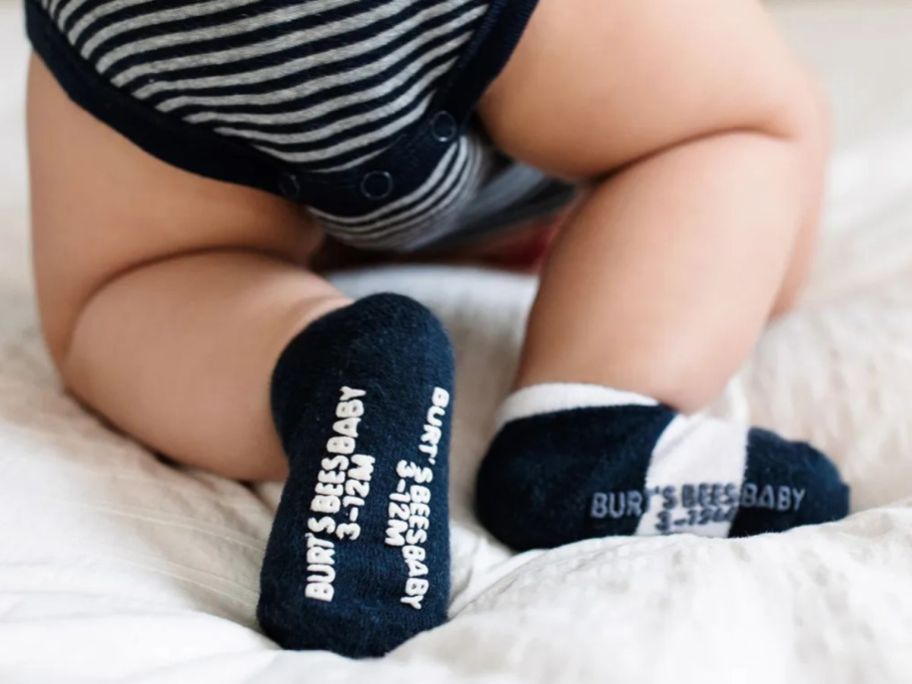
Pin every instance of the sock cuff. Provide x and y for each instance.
(553, 397)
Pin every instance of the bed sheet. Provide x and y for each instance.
(115, 565)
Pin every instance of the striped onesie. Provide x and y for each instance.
(362, 110)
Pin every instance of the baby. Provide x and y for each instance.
(189, 156)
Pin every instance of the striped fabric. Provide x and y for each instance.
(424, 216)
(321, 86)
(325, 84)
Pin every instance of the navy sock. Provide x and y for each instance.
(358, 557)
(572, 462)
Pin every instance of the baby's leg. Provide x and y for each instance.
(167, 300)
(662, 282)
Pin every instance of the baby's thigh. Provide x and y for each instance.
(101, 208)
(596, 84)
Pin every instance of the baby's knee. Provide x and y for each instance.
(798, 110)
(783, 101)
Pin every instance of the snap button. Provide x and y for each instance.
(443, 127)
(290, 186)
(377, 185)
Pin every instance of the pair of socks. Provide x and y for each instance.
(358, 558)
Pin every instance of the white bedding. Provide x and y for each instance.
(116, 565)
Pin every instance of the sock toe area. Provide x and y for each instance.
(787, 484)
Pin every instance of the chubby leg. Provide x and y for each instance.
(165, 298)
(716, 144)
(179, 309)
(189, 375)
(709, 144)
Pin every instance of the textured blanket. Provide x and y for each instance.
(117, 565)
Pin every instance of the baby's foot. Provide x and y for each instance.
(358, 557)
(571, 462)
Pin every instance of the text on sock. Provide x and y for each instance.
(409, 506)
(343, 484)
(702, 503)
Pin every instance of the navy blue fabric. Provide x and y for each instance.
(772, 462)
(397, 352)
(535, 485)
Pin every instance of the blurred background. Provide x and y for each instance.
(13, 185)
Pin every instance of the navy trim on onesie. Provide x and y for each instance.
(224, 106)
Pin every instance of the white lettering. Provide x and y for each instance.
(340, 445)
(409, 508)
(342, 482)
(348, 393)
(350, 409)
(347, 426)
(319, 591)
(394, 532)
(413, 601)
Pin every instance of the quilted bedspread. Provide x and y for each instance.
(115, 565)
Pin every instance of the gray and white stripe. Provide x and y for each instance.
(423, 215)
(251, 70)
